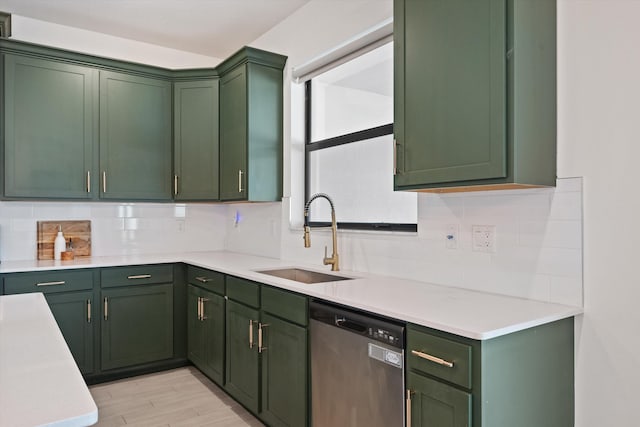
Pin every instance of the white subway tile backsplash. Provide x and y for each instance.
(117, 228)
(566, 206)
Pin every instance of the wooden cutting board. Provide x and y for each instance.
(78, 231)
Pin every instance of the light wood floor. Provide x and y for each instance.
(180, 397)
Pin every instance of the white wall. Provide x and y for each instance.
(599, 134)
(49, 34)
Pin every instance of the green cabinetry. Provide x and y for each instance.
(71, 300)
(137, 315)
(524, 378)
(195, 118)
(49, 113)
(284, 358)
(475, 94)
(135, 137)
(267, 362)
(251, 126)
(206, 322)
(243, 318)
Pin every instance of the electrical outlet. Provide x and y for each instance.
(484, 238)
(452, 236)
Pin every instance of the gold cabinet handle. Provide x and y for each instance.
(57, 283)
(239, 181)
(408, 409)
(250, 333)
(104, 181)
(175, 185)
(395, 156)
(203, 279)
(433, 359)
(106, 308)
(260, 326)
(88, 311)
(199, 309)
(88, 181)
(202, 316)
(139, 276)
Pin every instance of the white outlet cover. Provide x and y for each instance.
(483, 238)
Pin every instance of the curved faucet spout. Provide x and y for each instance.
(334, 259)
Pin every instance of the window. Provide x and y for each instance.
(349, 145)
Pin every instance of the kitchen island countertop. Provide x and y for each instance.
(472, 314)
(40, 384)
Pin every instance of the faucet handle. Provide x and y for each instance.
(325, 251)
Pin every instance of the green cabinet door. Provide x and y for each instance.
(450, 91)
(437, 404)
(137, 325)
(241, 375)
(206, 332)
(233, 135)
(195, 118)
(251, 126)
(284, 373)
(75, 314)
(49, 113)
(135, 137)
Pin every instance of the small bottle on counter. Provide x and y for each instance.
(59, 245)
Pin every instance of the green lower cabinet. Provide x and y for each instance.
(284, 373)
(437, 404)
(522, 379)
(206, 334)
(137, 325)
(241, 375)
(75, 314)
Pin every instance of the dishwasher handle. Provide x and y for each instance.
(352, 325)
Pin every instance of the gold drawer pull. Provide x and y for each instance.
(61, 282)
(409, 394)
(140, 276)
(203, 279)
(432, 358)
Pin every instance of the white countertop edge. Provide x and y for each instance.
(246, 266)
(84, 420)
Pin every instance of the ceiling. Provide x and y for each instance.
(209, 27)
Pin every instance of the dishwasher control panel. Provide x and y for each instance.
(384, 335)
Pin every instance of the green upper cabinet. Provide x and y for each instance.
(251, 126)
(135, 137)
(195, 118)
(49, 113)
(475, 94)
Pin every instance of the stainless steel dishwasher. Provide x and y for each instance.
(357, 369)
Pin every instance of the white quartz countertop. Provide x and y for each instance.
(471, 314)
(40, 384)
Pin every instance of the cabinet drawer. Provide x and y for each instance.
(284, 304)
(206, 279)
(432, 355)
(49, 281)
(244, 291)
(136, 275)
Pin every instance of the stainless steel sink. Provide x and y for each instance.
(303, 276)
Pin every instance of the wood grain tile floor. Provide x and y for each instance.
(178, 398)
